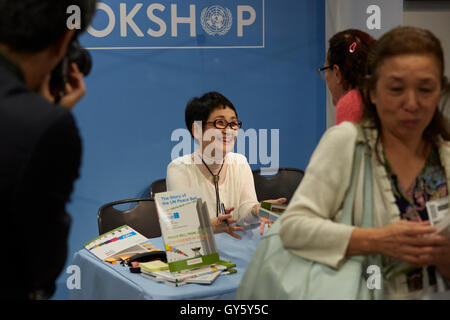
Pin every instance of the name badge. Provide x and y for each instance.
(437, 210)
(438, 215)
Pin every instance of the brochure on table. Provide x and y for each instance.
(203, 275)
(159, 271)
(122, 241)
(186, 229)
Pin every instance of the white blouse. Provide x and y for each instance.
(237, 190)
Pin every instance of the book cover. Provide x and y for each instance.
(205, 279)
(122, 241)
(184, 275)
(162, 280)
(186, 229)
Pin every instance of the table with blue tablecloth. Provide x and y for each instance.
(101, 280)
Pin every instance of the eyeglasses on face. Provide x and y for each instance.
(223, 124)
(321, 71)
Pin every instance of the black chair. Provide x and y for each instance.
(281, 185)
(157, 186)
(143, 217)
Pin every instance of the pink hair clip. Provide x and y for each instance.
(352, 47)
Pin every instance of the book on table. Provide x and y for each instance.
(186, 229)
(119, 244)
(204, 274)
(189, 241)
(159, 271)
(153, 266)
(191, 250)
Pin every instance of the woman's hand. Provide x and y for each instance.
(265, 221)
(276, 201)
(440, 255)
(409, 241)
(223, 223)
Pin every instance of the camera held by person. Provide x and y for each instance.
(68, 74)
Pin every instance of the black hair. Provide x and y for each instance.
(349, 49)
(33, 25)
(199, 109)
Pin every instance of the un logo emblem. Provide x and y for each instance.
(216, 20)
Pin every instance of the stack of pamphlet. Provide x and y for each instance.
(271, 211)
(119, 244)
(204, 275)
(159, 271)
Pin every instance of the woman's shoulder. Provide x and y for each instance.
(337, 143)
(348, 133)
(181, 161)
(443, 143)
(351, 97)
(342, 133)
(349, 107)
(444, 149)
(236, 158)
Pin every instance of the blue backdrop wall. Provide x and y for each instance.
(263, 57)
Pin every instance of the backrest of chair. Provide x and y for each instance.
(157, 186)
(143, 217)
(281, 185)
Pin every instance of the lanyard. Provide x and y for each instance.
(216, 179)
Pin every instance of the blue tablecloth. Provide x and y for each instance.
(101, 280)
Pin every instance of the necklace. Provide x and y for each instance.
(216, 178)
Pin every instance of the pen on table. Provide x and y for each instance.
(224, 212)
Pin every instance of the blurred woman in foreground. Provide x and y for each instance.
(410, 149)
